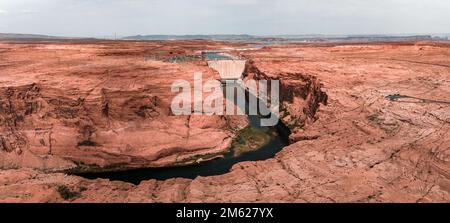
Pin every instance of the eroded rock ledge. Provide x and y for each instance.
(300, 96)
(82, 109)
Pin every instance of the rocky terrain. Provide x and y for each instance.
(93, 107)
(369, 122)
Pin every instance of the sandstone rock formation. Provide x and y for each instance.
(383, 136)
(300, 95)
(101, 106)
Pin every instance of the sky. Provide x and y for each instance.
(102, 18)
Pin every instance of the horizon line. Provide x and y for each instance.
(233, 34)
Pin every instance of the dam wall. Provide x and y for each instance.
(228, 69)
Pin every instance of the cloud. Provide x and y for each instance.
(241, 2)
(259, 17)
(27, 11)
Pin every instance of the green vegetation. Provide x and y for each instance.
(183, 58)
(251, 139)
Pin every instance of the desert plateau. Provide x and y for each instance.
(364, 121)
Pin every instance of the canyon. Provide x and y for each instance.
(369, 122)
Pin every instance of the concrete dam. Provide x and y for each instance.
(228, 69)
